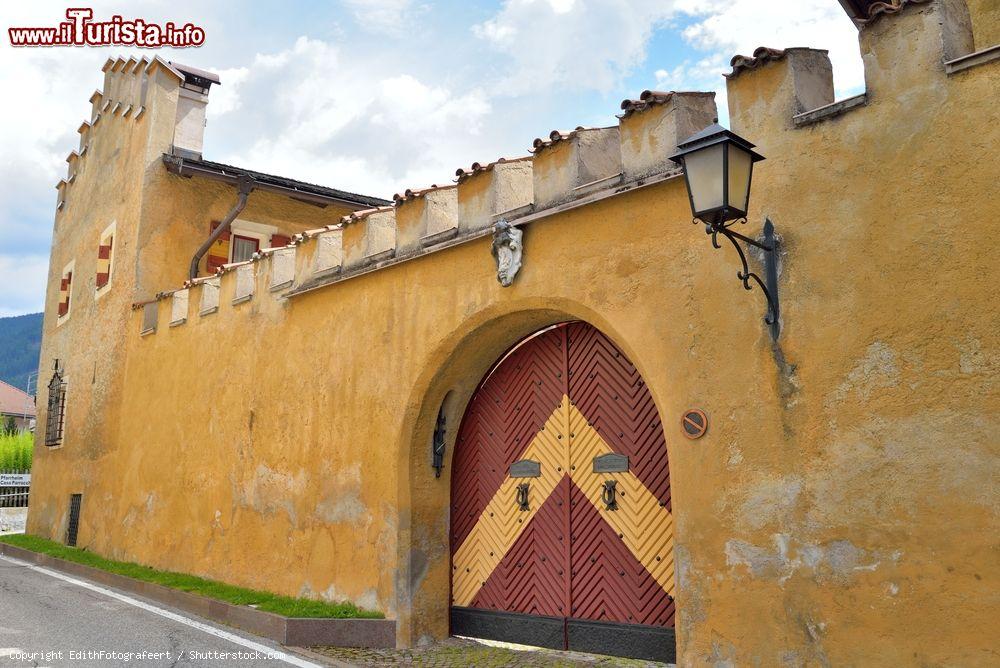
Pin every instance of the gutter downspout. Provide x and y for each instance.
(246, 186)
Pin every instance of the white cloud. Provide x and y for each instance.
(581, 45)
(390, 17)
(307, 114)
(29, 273)
(740, 26)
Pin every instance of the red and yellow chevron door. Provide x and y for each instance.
(561, 526)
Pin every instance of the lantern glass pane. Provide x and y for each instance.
(740, 165)
(703, 169)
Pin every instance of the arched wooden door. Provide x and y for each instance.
(561, 527)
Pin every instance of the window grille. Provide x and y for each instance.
(54, 420)
(73, 526)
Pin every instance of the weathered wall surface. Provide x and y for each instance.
(985, 23)
(120, 179)
(841, 509)
(180, 211)
(107, 189)
(866, 531)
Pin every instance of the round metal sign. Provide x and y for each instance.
(694, 423)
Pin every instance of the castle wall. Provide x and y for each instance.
(839, 510)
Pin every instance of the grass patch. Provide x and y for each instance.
(15, 451)
(282, 605)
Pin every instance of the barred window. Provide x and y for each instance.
(56, 408)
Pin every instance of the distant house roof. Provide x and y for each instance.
(15, 402)
(185, 166)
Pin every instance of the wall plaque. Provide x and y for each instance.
(611, 462)
(525, 468)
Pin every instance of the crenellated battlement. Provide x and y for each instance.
(771, 91)
(906, 45)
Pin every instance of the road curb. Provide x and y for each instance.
(290, 631)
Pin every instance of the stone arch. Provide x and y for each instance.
(450, 378)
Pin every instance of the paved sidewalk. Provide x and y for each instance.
(48, 618)
(458, 652)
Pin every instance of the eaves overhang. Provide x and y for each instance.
(298, 190)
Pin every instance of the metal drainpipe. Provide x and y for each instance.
(245, 185)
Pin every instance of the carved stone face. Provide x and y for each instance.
(507, 251)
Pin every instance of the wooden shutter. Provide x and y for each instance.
(280, 240)
(218, 254)
(64, 293)
(104, 262)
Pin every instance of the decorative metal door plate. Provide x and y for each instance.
(611, 462)
(525, 468)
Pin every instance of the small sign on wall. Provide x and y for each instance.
(15, 479)
(694, 423)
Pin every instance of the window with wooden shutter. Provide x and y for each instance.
(280, 240)
(105, 252)
(218, 254)
(65, 291)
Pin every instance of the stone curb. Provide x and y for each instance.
(292, 631)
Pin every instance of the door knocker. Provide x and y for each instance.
(609, 496)
(522, 497)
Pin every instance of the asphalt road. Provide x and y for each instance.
(52, 619)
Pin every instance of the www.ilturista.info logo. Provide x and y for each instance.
(81, 30)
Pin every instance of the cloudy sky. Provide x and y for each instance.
(374, 96)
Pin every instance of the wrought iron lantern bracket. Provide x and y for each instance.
(769, 285)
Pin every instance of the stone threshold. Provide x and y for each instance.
(289, 631)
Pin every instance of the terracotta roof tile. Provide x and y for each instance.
(410, 193)
(557, 136)
(309, 234)
(652, 98)
(761, 55)
(356, 216)
(863, 12)
(647, 98)
(478, 167)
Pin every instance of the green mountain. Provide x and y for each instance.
(20, 341)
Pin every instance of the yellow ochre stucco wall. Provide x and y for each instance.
(841, 509)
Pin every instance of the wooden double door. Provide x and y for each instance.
(561, 526)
